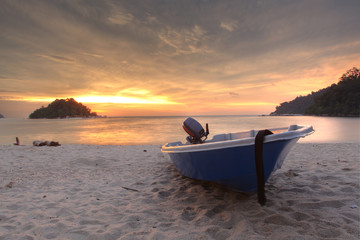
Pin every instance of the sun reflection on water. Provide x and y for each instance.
(160, 130)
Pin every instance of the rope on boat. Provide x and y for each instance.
(259, 140)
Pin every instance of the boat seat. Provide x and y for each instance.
(218, 138)
(240, 135)
(232, 136)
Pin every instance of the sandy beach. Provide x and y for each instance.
(135, 192)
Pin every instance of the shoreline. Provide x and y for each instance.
(134, 192)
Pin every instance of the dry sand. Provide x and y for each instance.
(135, 192)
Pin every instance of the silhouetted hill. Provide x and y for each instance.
(62, 108)
(342, 99)
(1, 116)
(298, 105)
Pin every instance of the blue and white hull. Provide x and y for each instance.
(229, 159)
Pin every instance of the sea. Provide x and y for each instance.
(150, 130)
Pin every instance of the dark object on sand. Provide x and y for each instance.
(46, 143)
(17, 141)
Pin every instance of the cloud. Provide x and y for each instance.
(229, 25)
(190, 51)
(56, 58)
(92, 55)
(233, 94)
(185, 41)
(120, 17)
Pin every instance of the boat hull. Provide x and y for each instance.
(232, 166)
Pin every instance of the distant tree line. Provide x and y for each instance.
(342, 99)
(299, 105)
(63, 108)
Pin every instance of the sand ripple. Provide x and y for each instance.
(123, 192)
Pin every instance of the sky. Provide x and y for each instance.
(157, 57)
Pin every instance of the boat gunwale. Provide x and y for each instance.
(301, 131)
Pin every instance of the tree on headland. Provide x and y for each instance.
(342, 99)
(63, 108)
(299, 105)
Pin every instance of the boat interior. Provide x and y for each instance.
(247, 134)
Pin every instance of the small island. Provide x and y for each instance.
(1, 116)
(342, 99)
(63, 108)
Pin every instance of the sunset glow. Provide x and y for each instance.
(129, 58)
(119, 99)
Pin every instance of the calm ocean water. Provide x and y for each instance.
(160, 130)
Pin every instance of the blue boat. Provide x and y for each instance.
(229, 159)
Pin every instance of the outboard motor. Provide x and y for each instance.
(195, 130)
